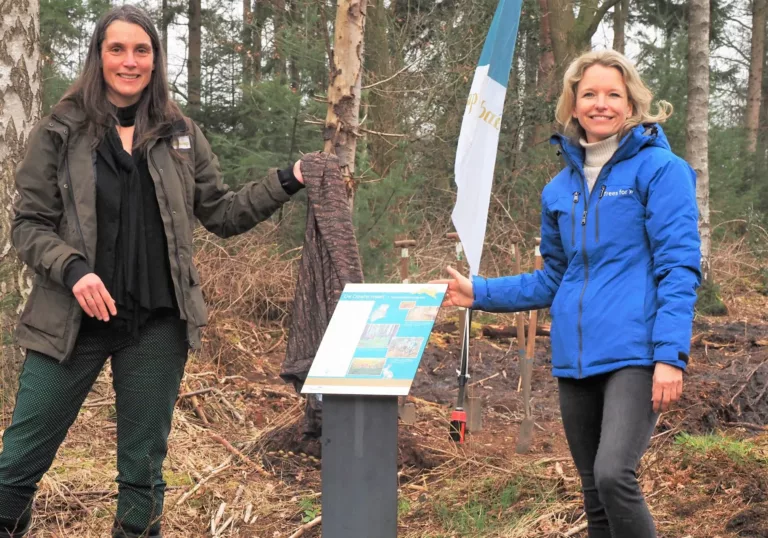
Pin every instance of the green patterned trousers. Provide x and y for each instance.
(146, 377)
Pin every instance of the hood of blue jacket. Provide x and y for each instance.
(639, 137)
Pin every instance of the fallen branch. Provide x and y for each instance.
(221, 530)
(576, 530)
(421, 401)
(301, 530)
(717, 345)
(696, 339)
(216, 518)
(194, 393)
(221, 468)
(749, 425)
(479, 381)
(277, 392)
(746, 382)
(231, 407)
(231, 449)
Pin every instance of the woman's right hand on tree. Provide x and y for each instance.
(94, 298)
(459, 291)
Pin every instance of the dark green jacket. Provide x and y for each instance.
(55, 219)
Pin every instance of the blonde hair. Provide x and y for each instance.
(638, 94)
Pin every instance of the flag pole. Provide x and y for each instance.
(475, 163)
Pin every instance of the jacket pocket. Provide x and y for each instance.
(196, 306)
(619, 215)
(48, 310)
(568, 209)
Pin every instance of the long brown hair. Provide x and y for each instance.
(156, 112)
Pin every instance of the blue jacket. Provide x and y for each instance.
(621, 265)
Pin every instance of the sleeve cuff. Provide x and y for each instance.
(671, 356)
(74, 270)
(479, 292)
(288, 181)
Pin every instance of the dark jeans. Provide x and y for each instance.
(146, 378)
(608, 421)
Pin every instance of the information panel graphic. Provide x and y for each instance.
(375, 339)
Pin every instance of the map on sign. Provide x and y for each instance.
(375, 339)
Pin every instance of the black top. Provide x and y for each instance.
(125, 187)
(132, 256)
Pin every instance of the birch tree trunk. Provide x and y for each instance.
(258, 18)
(193, 58)
(164, 21)
(697, 121)
(20, 107)
(755, 73)
(341, 122)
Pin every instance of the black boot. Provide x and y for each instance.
(15, 528)
(126, 531)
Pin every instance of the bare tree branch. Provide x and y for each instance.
(598, 17)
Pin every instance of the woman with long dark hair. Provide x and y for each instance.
(109, 192)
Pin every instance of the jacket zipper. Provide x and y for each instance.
(584, 240)
(597, 214)
(175, 239)
(586, 261)
(584, 287)
(573, 218)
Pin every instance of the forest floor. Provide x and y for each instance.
(238, 465)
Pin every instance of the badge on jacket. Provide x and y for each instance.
(182, 142)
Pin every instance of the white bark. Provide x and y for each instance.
(342, 119)
(20, 107)
(696, 139)
(755, 73)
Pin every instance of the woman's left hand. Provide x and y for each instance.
(297, 172)
(667, 386)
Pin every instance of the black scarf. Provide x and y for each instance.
(130, 286)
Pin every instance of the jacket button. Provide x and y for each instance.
(50, 124)
(66, 186)
(161, 170)
(173, 212)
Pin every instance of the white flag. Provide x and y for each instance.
(479, 137)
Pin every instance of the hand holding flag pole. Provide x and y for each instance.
(476, 160)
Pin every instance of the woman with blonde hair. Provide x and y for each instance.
(621, 254)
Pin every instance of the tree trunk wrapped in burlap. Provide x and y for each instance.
(329, 261)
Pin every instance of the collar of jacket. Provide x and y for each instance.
(640, 136)
(70, 119)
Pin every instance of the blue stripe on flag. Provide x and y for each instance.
(500, 42)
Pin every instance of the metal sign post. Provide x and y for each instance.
(369, 355)
(359, 471)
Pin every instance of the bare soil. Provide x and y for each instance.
(271, 471)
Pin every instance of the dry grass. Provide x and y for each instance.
(248, 284)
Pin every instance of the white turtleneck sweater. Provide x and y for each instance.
(596, 155)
